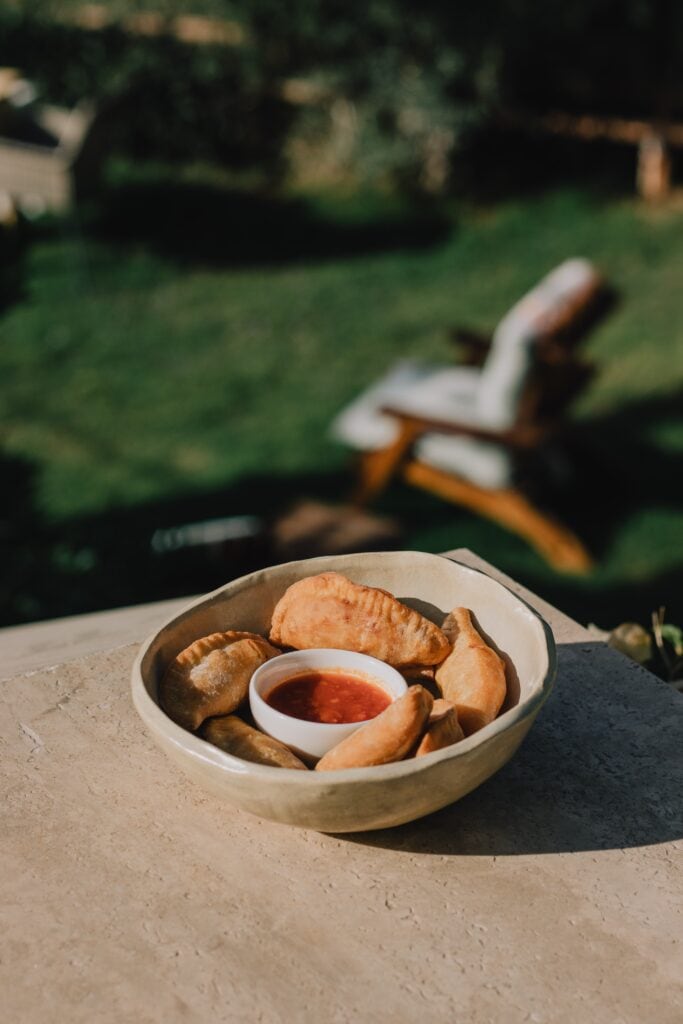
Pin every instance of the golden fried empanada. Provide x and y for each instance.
(443, 728)
(473, 676)
(235, 737)
(330, 611)
(388, 737)
(211, 676)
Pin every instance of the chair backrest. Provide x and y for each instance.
(544, 312)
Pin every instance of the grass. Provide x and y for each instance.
(181, 352)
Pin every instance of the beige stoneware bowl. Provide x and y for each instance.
(357, 799)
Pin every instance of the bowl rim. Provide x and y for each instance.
(192, 745)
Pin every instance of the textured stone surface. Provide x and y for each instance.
(551, 894)
(26, 648)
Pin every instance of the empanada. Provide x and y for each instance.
(235, 737)
(473, 676)
(211, 676)
(330, 611)
(443, 728)
(388, 737)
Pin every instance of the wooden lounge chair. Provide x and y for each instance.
(465, 432)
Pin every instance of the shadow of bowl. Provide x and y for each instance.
(601, 770)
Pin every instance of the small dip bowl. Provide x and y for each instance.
(311, 740)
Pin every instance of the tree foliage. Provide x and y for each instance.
(416, 79)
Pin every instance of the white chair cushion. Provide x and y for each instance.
(416, 388)
(547, 300)
(448, 393)
(480, 462)
(504, 374)
(502, 382)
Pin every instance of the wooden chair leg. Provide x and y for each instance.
(508, 507)
(376, 468)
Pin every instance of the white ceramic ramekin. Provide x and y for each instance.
(313, 739)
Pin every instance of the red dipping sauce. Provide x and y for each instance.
(332, 696)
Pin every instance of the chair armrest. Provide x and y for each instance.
(520, 436)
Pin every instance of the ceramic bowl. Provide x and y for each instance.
(311, 740)
(357, 799)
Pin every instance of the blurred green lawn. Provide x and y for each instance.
(183, 360)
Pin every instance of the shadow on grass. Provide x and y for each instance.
(607, 473)
(208, 224)
(107, 560)
(535, 162)
(617, 471)
(13, 243)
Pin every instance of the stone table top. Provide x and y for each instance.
(550, 894)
